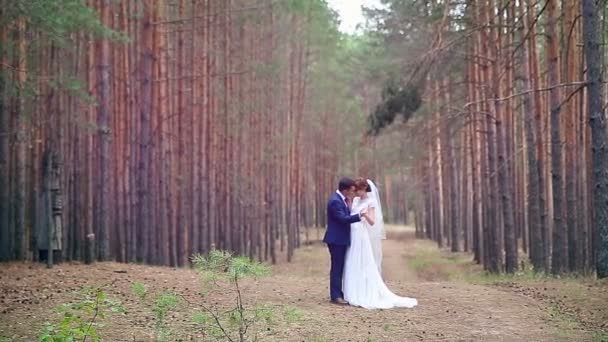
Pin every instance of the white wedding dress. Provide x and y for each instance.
(363, 285)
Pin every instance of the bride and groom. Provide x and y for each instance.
(355, 227)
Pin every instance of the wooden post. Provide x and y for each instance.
(56, 206)
(44, 228)
(48, 219)
(50, 228)
(89, 257)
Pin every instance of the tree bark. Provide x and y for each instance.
(104, 133)
(597, 121)
(533, 181)
(20, 144)
(145, 148)
(5, 236)
(560, 247)
(504, 181)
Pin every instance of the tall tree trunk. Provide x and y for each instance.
(490, 76)
(20, 143)
(182, 212)
(560, 253)
(145, 149)
(538, 126)
(504, 183)
(570, 64)
(454, 226)
(597, 121)
(5, 245)
(195, 123)
(534, 214)
(103, 123)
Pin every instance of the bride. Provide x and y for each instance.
(363, 284)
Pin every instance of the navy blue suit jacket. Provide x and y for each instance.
(339, 220)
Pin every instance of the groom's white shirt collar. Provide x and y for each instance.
(341, 196)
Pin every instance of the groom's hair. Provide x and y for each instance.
(345, 183)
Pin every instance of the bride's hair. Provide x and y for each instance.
(361, 184)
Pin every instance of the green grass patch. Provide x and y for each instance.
(574, 302)
(565, 323)
(320, 339)
(570, 285)
(431, 263)
(487, 278)
(600, 336)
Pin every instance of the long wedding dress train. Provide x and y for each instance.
(363, 284)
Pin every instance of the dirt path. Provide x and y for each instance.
(448, 311)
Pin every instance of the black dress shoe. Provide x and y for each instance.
(339, 301)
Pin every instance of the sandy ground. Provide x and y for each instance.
(447, 311)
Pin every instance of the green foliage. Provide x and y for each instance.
(402, 64)
(320, 339)
(600, 336)
(79, 320)
(489, 278)
(264, 314)
(295, 5)
(73, 87)
(163, 303)
(238, 325)
(242, 266)
(565, 323)
(206, 323)
(292, 314)
(431, 263)
(139, 290)
(55, 29)
(58, 19)
(234, 323)
(222, 264)
(395, 100)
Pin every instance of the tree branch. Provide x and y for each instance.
(525, 92)
(215, 317)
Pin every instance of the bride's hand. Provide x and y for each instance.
(368, 217)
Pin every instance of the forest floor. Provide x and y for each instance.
(456, 301)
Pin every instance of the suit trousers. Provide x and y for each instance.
(337, 253)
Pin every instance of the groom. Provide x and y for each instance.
(337, 236)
